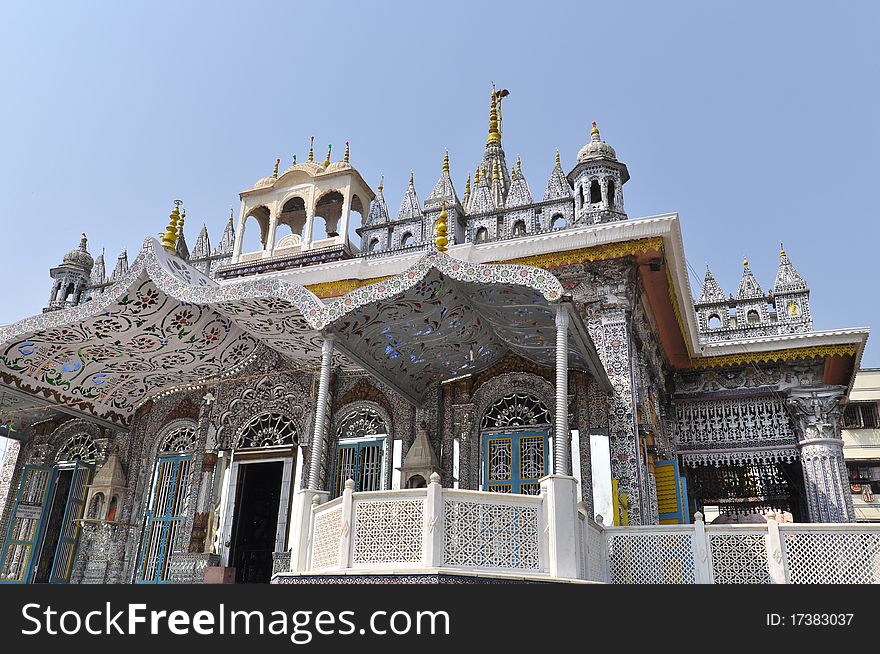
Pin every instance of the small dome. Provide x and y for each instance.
(596, 148)
(337, 165)
(79, 256)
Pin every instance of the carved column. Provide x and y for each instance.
(463, 429)
(320, 414)
(562, 438)
(816, 411)
(613, 340)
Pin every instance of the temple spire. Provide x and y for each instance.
(712, 291)
(169, 239)
(494, 134)
(347, 152)
(748, 285)
(440, 239)
(327, 158)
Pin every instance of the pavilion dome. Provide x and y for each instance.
(79, 256)
(596, 148)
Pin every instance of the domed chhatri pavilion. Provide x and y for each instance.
(487, 386)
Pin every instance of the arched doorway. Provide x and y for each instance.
(515, 444)
(258, 497)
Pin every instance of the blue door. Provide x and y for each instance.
(65, 551)
(26, 524)
(513, 463)
(164, 518)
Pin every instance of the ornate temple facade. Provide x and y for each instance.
(217, 413)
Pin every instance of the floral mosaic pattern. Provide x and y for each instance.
(165, 324)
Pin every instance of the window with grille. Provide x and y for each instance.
(860, 415)
(166, 510)
(360, 451)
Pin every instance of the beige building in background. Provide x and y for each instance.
(861, 437)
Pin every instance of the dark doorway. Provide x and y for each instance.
(256, 519)
(754, 488)
(54, 523)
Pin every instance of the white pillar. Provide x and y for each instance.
(239, 235)
(561, 433)
(702, 565)
(309, 228)
(269, 245)
(320, 413)
(346, 215)
(432, 534)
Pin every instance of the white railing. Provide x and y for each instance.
(773, 553)
(549, 536)
(431, 527)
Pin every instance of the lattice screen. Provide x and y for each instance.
(739, 558)
(832, 557)
(491, 535)
(388, 531)
(325, 547)
(654, 558)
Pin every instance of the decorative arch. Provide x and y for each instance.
(287, 396)
(81, 446)
(179, 436)
(292, 214)
(76, 436)
(267, 429)
(261, 215)
(595, 192)
(523, 383)
(358, 418)
(557, 221)
(481, 235)
(328, 206)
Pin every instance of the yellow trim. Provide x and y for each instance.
(338, 289)
(594, 253)
(815, 351)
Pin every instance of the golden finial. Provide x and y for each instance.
(327, 158)
(169, 239)
(518, 166)
(781, 249)
(467, 186)
(477, 176)
(275, 172)
(594, 133)
(345, 156)
(513, 172)
(440, 239)
(496, 173)
(745, 263)
(446, 162)
(230, 215)
(558, 162)
(494, 134)
(294, 161)
(381, 183)
(411, 178)
(311, 149)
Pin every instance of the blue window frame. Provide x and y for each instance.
(361, 461)
(164, 517)
(26, 524)
(514, 462)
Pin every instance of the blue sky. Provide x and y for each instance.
(756, 121)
